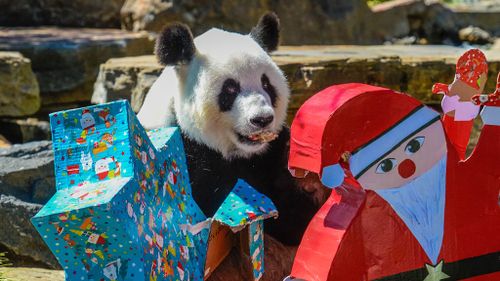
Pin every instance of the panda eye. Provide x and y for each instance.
(414, 145)
(265, 82)
(270, 90)
(230, 89)
(386, 165)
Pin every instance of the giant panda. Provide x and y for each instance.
(230, 101)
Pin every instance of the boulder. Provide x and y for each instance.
(27, 171)
(475, 35)
(75, 13)
(127, 78)
(66, 60)
(17, 233)
(26, 182)
(19, 93)
(399, 18)
(438, 23)
(302, 22)
(429, 20)
(411, 69)
(483, 14)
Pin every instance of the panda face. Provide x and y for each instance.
(234, 97)
(222, 89)
(251, 111)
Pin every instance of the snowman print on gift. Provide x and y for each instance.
(86, 161)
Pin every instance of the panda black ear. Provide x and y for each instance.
(267, 32)
(175, 45)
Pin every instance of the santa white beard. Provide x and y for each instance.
(420, 204)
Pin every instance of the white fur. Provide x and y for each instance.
(189, 93)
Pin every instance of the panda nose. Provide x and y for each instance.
(262, 121)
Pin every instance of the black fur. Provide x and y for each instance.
(230, 90)
(175, 45)
(267, 32)
(212, 178)
(269, 88)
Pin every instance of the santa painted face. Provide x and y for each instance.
(406, 166)
(402, 154)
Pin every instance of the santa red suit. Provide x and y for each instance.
(442, 225)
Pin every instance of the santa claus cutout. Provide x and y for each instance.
(406, 204)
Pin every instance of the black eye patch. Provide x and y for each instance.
(270, 90)
(229, 92)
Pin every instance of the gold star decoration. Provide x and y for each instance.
(435, 272)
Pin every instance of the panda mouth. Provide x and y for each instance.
(258, 138)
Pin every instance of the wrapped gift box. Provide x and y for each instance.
(123, 208)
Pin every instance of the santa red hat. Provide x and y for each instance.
(351, 118)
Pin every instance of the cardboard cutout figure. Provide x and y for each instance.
(406, 205)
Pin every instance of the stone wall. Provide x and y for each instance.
(410, 69)
(66, 60)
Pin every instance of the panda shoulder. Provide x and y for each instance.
(158, 107)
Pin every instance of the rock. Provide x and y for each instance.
(303, 22)
(483, 14)
(4, 143)
(26, 182)
(31, 273)
(399, 18)
(19, 93)
(475, 35)
(66, 60)
(411, 69)
(76, 13)
(438, 23)
(17, 233)
(27, 171)
(128, 78)
(408, 40)
(423, 19)
(25, 130)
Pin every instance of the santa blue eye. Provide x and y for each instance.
(386, 165)
(414, 145)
